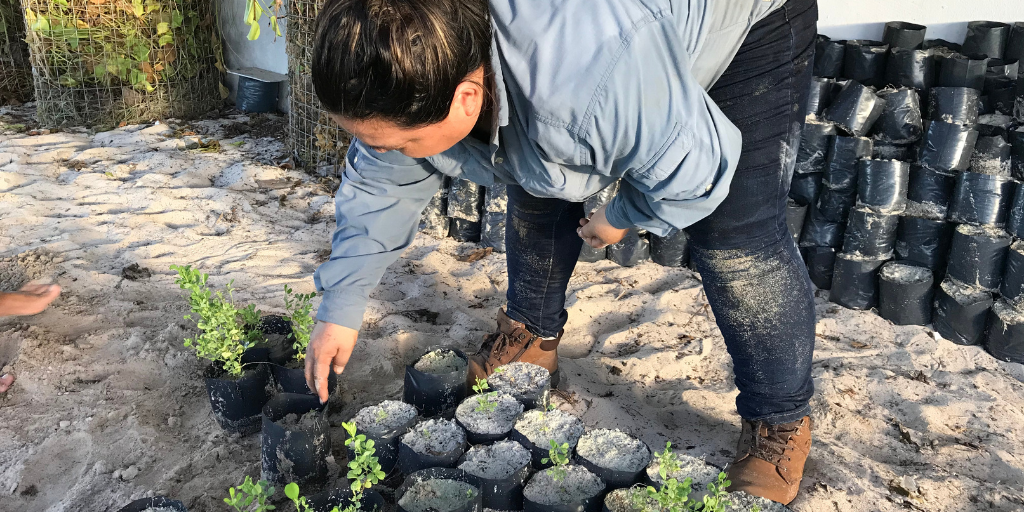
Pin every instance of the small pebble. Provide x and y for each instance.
(65, 424)
(117, 474)
(130, 473)
(173, 421)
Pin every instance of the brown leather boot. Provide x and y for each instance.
(770, 459)
(513, 343)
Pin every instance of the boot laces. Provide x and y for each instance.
(773, 443)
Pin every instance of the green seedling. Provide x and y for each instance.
(299, 307)
(481, 386)
(426, 433)
(364, 469)
(227, 331)
(674, 496)
(483, 401)
(381, 415)
(251, 496)
(558, 457)
(714, 500)
(667, 462)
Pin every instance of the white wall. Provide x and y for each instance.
(267, 52)
(945, 19)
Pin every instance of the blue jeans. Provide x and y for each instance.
(753, 275)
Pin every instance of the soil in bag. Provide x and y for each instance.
(700, 470)
(526, 382)
(841, 167)
(982, 199)
(820, 95)
(238, 402)
(674, 250)
(923, 242)
(947, 146)
(436, 382)
(488, 417)
(910, 68)
(570, 488)
(805, 188)
(814, 143)
(986, 38)
(991, 156)
(901, 34)
(440, 490)
(957, 105)
(1017, 153)
(820, 263)
(855, 109)
(883, 150)
(795, 217)
(436, 443)
(614, 456)
(870, 234)
(928, 186)
(864, 61)
(295, 441)
(492, 232)
(1006, 333)
(341, 498)
(385, 423)
(961, 312)
(901, 121)
(994, 125)
(1012, 286)
(632, 250)
(905, 294)
(977, 256)
(156, 504)
(502, 469)
(960, 70)
(828, 57)
(536, 428)
(882, 184)
(855, 281)
(821, 232)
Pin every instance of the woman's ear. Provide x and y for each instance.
(470, 95)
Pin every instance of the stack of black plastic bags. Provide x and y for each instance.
(905, 194)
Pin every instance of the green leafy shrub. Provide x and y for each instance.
(558, 456)
(674, 496)
(299, 307)
(250, 496)
(364, 469)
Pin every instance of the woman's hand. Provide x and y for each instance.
(329, 345)
(597, 232)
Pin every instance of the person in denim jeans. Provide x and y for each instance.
(693, 106)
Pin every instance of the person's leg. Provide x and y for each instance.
(753, 275)
(542, 248)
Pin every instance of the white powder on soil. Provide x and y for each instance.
(497, 461)
(383, 418)
(985, 231)
(520, 379)
(987, 165)
(614, 449)
(964, 294)
(698, 469)
(540, 427)
(904, 274)
(1007, 313)
(742, 502)
(1001, 120)
(440, 362)
(578, 485)
(437, 495)
(161, 509)
(497, 421)
(434, 437)
(925, 210)
(856, 256)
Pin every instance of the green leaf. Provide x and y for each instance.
(163, 27)
(292, 491)
(176, 19)
(273, 25)
(42, 24)
(254, 31)
(164, 40)
(138, 8)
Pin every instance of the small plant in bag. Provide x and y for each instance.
(251, 496)
(364, 469)
(227, 331)
(674, 496)
(558, 456)
(299, 307)
(484, 403)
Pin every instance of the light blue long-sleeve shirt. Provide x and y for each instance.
(588, 92)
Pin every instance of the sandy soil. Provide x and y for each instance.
(109, 406)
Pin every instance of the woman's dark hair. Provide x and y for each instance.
(398, 60)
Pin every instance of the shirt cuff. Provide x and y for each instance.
(617, 214)
(341, 308)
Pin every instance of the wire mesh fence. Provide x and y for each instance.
(315, 139)
(15, 70)
(104, 62)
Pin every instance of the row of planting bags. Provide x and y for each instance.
(905, 194)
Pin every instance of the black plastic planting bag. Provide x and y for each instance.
(434, 220)
(804, 188)
(821, 232)
(982, 199)
(870, 233)
(994, 125)
(977, 256)
(1012, 287)
(473, 503)
(905, 294)
(855, 109)
(492, 231)
(296, 453)
(465, 200)
(1001, 68)
(986, 38)
(293, 380)
(882, 150)
(1017, 153)
(957, 105)
(386, 445)
(882, 184)
(947, 146)
(496, 198)
(463, 230)
(864, 61)
(795, 217)
(1015, 43)
(410, 461)
(835, 205)
(155, 503)
(930, 186)
(855, 281)
(1015, 224)
(828, 57)
(841, 167)
(590, 255)
(1006, 333)
(1001, 97)
(820, 263)
(614, 478)
(923, 242)
(672, 250)
(238, 403)
(256, 96)
(991, 156)
(961, 313)
(505, 493)
(910, 68)
(900, 34)
(434, 394)
(820, 95)
(901, 121)
(814, 143)
(963, 71)
(632, 250)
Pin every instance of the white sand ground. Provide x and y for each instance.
(109, 406)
